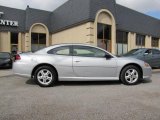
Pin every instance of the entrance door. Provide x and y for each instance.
(14, 43)
(38, 41)
(104, 36)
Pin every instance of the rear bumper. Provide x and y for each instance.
(147, 73)
(22, 69)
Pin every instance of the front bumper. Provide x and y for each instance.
(147, 73)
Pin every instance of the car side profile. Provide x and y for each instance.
(78, 62)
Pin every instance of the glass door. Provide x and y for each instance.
(104, 36)
(14, 43)
(38, 41)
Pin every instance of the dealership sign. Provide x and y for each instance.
(7, 22)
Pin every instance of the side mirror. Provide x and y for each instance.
(145, 54)
(108, 56)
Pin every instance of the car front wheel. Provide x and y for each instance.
(45, 76)
(130, 75)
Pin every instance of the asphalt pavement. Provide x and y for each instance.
(22, 99)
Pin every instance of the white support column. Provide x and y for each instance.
(19, 42)
(131, 41)
(90, 33)
(148, 41)
(0, 42)
(9, 41)
(159, 42)
(27, 42)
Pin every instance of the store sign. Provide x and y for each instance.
(7, 22)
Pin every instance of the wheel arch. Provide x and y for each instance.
(43, 64)
(134, 64)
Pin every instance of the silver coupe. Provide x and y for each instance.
(79, 62)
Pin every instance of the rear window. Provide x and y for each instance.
(63, 50)
(4, 55)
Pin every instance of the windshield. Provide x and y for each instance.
(134, 52)
(4, 55)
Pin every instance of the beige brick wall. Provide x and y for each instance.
(80, 34)
(5, 44)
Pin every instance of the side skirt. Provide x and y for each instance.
(88, 79)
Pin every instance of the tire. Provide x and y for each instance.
(45, 76)
(130, 75)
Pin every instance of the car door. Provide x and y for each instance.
(91, 62)
(148, 57)
(62, 60)
(156, 58)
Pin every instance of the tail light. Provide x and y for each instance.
(18, 57)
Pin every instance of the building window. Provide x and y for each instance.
(14, 43)
(155, 42)
(140, 40)
(38, 41)
(104, 36)
(122, 42)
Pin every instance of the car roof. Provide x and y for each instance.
(68, 44)
(72, 44)
(146, 49)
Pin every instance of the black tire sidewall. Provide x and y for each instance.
(122, 76)
(54, 78)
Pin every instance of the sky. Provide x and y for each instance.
(149, 7)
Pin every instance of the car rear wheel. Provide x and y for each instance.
(130, 75)
(45, 76)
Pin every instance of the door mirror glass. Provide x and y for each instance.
(108, 56)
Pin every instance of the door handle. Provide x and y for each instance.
(77, 61)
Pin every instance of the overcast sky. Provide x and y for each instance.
(150, 7)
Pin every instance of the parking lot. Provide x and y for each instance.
(22, 99)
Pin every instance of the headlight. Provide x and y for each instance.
(146, 64)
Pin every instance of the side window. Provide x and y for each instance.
(64, 50)
(155, 52)
(85, 51)
(149, 51)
